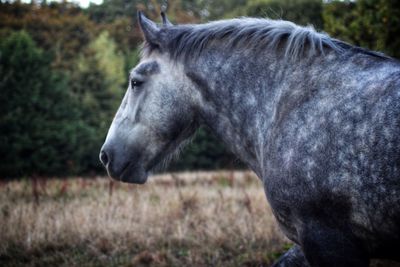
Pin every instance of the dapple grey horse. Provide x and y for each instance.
(317, 119)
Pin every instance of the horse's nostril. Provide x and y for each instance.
(104, 158)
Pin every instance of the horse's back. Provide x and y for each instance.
(335, 159)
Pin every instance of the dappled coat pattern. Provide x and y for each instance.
(318, 121)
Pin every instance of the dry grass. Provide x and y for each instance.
(196, 219)
(188, 219)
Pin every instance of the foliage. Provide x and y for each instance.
(60, 28)
(367, 23)
(109, 62)
(206, 152)
(98, 83)
(303, 12)
(39, 123)
(221, 9)
(111, 10)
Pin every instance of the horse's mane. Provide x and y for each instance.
(251, 33)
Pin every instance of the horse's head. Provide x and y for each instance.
(156, 114)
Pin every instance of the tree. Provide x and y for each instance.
(59, 28)
(39, 123)
(367, 23)
(205, 152)
(303, 12)
(98, 83)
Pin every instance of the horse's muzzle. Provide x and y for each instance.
(122, 170)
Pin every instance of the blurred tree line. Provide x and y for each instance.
(63, 71)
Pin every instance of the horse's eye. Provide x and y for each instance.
(135, 83)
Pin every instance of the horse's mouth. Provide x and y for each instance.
(132, 173)
(137, 172)
(125, 169)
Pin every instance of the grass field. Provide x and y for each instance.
(187, 219)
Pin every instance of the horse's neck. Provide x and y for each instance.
(236, 100)
(240, 97)
(245, 97)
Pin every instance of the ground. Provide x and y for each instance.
(186, 219)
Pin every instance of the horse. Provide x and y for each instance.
(317, 119)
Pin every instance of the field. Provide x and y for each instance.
(186, 219)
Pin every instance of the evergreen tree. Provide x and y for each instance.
(303, 12)
(39, 126)
(206, 152)
(368, 23)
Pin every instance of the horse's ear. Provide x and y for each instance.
(165, 21)
(150, 30)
